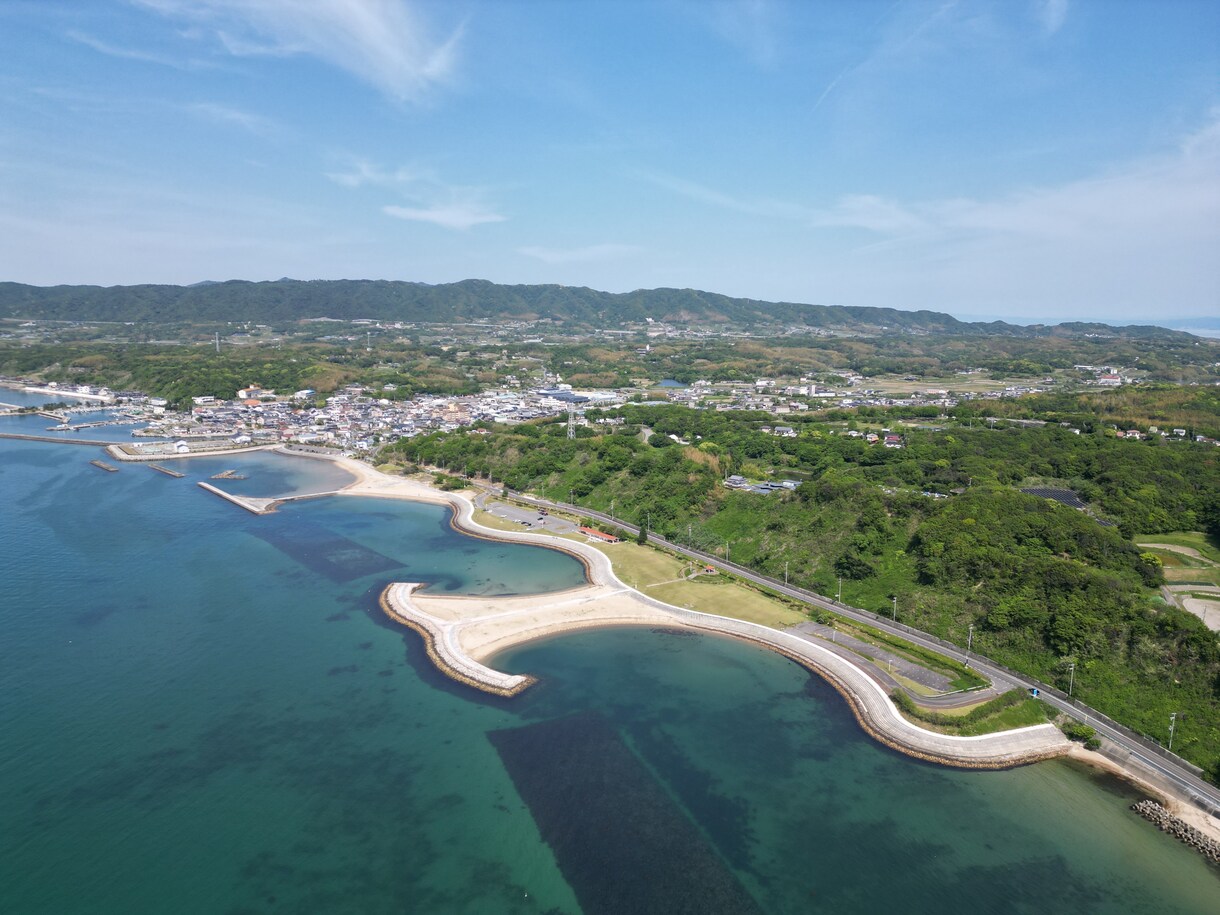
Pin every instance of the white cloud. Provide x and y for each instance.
(361, 173)
(113, 50)
(386, 43)
(755, 206)
(450, 216)
(428, 198)
(587, 254)
(226, 114)
(1051, 14)
(1136, 241)
(747, 24)
(868, 211)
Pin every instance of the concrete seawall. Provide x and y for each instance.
(462, 633)
(255, 506)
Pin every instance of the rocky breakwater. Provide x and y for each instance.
(1167, 822)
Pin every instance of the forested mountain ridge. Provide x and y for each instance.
(481, 300)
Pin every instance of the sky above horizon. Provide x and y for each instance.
(1032, 160)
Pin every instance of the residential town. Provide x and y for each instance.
(358, 418)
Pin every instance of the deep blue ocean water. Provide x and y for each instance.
(204, 711)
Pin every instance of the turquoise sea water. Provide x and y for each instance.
(202, 710)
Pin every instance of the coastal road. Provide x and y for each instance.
(1175, 771)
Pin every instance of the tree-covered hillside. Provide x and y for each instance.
(1044, 585)
(480, 300)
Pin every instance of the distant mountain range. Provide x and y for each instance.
(575, 307)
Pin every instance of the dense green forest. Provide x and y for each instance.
(1046, 586)
(480, 300)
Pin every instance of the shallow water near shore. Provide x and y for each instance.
(205, 711)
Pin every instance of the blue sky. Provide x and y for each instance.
(1040, 160)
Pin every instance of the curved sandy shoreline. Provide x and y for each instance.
(871, 707)
(461, 633)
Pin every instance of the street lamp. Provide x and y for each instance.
(785, 573)
(839, 599)
(1173, 720)
(895, 608)
(1071, 678)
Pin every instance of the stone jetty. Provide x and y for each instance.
(102, 465)
(254, 506)
(165, 470)
(1166, 822)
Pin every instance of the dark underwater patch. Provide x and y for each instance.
(623, 844)
(322, 550)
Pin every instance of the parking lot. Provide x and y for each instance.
(530, 518)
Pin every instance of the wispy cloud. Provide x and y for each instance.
(1051, 14)
(124, 53)
(1134, 241)
(897, 39)
(386, 43)
(584, 255)
(427, 198)
(755, 206)
(450, 216)
(1171, 200)
(746, 24)
(226, 114)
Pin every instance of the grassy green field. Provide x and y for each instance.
(1196, 559)
(1002, 713)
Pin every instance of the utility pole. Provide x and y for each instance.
(611, 509)
(218, 341)
(895, 608)
(839, 599)
(785, 573)
(969, 638)
(1071, 678)
(1173, 720)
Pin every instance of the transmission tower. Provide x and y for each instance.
(571, 420)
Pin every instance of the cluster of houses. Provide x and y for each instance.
(886, 438)
(355, 418)
(768, 396)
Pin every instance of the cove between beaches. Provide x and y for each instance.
(463, 633)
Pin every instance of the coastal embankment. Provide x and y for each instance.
(464, 634)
